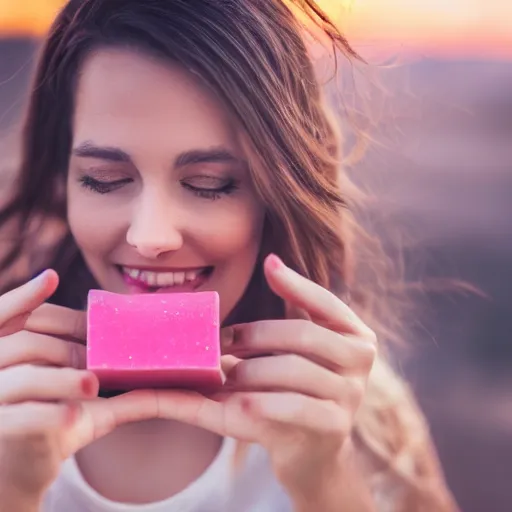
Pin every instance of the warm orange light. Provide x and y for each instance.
(27, 17)
(435, 25)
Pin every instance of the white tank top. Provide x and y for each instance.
(252, 488)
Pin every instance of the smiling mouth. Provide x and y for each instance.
(144, 280)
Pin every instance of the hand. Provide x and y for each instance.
(48, 404)
(299, 402)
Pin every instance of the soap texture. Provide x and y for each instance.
(154, 340)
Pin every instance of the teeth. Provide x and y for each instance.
(161, 279)
(179, 277)
(133, 273)
(165, 279)
(151, 278)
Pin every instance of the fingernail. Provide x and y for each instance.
(274, 262)
(227, 336)
(88, 387)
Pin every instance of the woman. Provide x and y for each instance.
(186, 146)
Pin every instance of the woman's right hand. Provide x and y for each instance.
(48, 402)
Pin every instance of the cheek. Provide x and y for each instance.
(235, 234)
(94, 228)
(232, 243)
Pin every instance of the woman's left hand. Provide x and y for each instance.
(293, 385)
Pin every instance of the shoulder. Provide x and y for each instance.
(396, 448)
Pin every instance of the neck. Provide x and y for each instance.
(156, 459)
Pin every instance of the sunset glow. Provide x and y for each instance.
(433, 26)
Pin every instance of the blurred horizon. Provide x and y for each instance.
(436, 28)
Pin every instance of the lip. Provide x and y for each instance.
(136, 286)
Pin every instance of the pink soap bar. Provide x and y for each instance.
(154, 340)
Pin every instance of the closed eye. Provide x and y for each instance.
(103, 187)
(210, 192)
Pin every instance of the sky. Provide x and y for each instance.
(441, 27)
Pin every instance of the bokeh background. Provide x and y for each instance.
(440, 96)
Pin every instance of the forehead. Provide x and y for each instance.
(130, 98)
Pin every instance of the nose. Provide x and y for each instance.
(154, 227)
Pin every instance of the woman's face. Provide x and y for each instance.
(159, 195)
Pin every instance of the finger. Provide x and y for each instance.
(228, 362)
(17, 304)
(297, 411)
(286, 373)
(294, 312)
(100, 417)
(322, 305)
(26, 382)
(58, 321)
(34, 418)
(183, 406)
(328, 348)
(24, 348)
(243, 416)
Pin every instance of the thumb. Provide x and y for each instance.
(91, 420)
(96, 418)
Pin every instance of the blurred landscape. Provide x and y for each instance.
(446, 177)
(444, 174)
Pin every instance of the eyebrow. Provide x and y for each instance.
(193, 157)
(89, 150)
(200, 156)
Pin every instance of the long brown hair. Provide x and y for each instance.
(253, 55)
